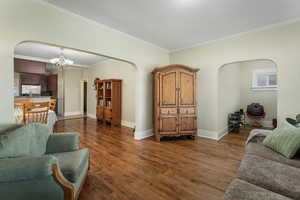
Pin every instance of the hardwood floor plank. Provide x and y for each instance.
(123, 168)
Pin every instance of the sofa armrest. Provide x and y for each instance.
(26, 168)
(62, 142)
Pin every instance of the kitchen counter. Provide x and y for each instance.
(35, 98)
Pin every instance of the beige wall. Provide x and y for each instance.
(36, 20)
(280, 44)
(72, 78)
(119, 70)
(69, 90)
(229, 93)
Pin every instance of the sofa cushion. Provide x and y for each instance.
(72, 163)
(257, 148)
(285, 140)
(239, 189)
(274, 176)
(28, 140)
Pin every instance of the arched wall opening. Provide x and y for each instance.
(70, 79)
(238, 87)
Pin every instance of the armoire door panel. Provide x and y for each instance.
(187, 88)
(168, 89)
(188, 123)
(168, 125)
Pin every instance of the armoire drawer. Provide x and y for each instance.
(168, 111)
(187, 111)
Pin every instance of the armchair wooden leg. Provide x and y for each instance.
(69, 191)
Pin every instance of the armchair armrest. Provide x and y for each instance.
(26, 168)
(62, 142)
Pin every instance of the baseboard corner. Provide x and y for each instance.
(128, 124)
(207, 134)
(140, 135)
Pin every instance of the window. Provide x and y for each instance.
(264, 79)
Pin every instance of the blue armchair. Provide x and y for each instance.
(35, 164)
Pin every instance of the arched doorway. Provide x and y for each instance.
(244, 82)
(74, 90)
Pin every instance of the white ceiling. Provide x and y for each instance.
(176, 24)
(41, 52)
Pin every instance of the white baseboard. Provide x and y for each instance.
(128, 124)
(207, 134)
(72, 113)
(91, 116)
(222, 133)
(214, 135)
(140, 135)
(123, 123)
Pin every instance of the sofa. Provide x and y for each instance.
(36, 164)
(265, 175)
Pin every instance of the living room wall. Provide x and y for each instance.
(114, 69)
(38, 21)
(229, 94)
(280, 44)
(72, 78)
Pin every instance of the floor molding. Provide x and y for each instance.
(214, 135)
(123, 122)
(222, 133)
(207, 134)
(140, 135)
(91, 116)
(128, 124)
(72, 113)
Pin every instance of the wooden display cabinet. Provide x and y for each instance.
(109, 101)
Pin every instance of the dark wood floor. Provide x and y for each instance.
(125, 169)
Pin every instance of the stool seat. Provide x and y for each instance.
(256, 112)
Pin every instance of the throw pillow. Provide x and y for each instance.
(285, 140)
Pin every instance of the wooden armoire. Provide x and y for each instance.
(109, 101)
(175, 105)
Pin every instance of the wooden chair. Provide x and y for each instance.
(22, 100)
(36, 112)
(19, 109)
(52, 104)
